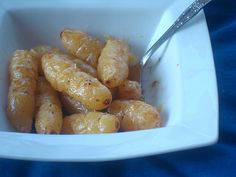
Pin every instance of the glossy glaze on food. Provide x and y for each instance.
(48, 119)
(135, 115)
(82, 45)
(21, 95)
(89, 78)
(92, 122)
(39, 51)
(113, 63)
(65, 77)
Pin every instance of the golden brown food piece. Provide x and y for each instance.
(21, 105)
(135, 72)
(90, 123)
(65, 77)
(113, 63)
(48, 109)
(71, 105)
(23, 65)
(135, 115)
(21, 96)
(39, 51)
(82, 46)
(129, 90)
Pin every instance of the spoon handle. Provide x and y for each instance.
(187, 15)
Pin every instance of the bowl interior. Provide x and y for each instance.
(22, 27)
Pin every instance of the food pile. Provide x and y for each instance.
(89, 89)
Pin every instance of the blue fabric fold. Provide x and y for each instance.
(216, 160)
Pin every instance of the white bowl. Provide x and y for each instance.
(186, 78)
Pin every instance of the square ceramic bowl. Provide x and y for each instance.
(183, 82)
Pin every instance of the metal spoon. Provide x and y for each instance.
(187, 15)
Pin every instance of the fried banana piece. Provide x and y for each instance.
(39, 51)
(21, 95)
(135, 115)
(129, 90)
(90, 123)
(82, 46)
(71, 105)
(113, 63)
(65, 77)
(48, 109)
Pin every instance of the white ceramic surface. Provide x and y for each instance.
(186, 82)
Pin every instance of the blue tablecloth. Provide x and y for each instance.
(215, 160)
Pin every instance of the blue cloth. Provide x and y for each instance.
(216, 160)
